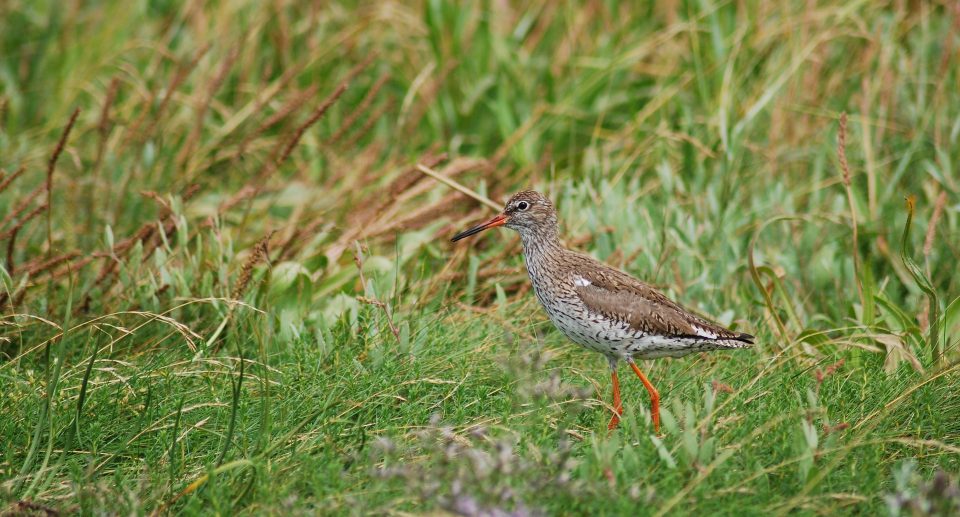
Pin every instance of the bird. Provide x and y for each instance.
(603, 308)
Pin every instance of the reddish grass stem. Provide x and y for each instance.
(845, 172)
(22, 205)
(361, 108)
(10, 247)
(30, 215)
(317, 114)
(10, 179)
(50, 167)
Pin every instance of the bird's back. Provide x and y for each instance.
(609, 311)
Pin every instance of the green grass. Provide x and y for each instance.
(694, 144)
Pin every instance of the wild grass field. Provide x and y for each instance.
(228, 286)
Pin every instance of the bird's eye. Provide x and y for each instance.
(523, 205)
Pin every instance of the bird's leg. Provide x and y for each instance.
(617, 404)
(654, 396)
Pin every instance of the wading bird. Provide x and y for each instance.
(602, 308)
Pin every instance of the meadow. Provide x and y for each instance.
(228, 287)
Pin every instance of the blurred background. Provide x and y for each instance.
(228, 283)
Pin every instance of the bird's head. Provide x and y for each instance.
(528, 212)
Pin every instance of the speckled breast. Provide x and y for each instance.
(592, 331)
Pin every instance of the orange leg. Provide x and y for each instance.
(654, 397)
(617, 404)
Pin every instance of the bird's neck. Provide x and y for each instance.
(542, 257)
(541, 246)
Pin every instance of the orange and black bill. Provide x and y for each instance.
(499, 220)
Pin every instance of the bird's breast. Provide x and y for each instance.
(571, 316)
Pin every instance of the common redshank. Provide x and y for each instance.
(603, 308)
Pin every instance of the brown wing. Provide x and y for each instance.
(617, 295)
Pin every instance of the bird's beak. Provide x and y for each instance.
(499, 220)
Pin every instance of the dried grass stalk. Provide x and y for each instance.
(368, 124)
(845, 174)
(317, 114)
(299, 236)
(360, 67)
(211, 92)
(133, 132)
(842, 149)
(10, 179)
(273, 164)
(103, 125)
(51, 263)
(295, 102)
(261, 252)
(22, 205)
(178, 77)
(50, 167)
(11, 270)
(360, 109)
(143, 234)
(359, 224)
(33, 213)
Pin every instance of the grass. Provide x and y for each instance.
(229, 287)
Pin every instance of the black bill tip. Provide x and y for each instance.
(466, 233)
(499, 220)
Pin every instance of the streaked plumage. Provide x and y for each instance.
(600, 307)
